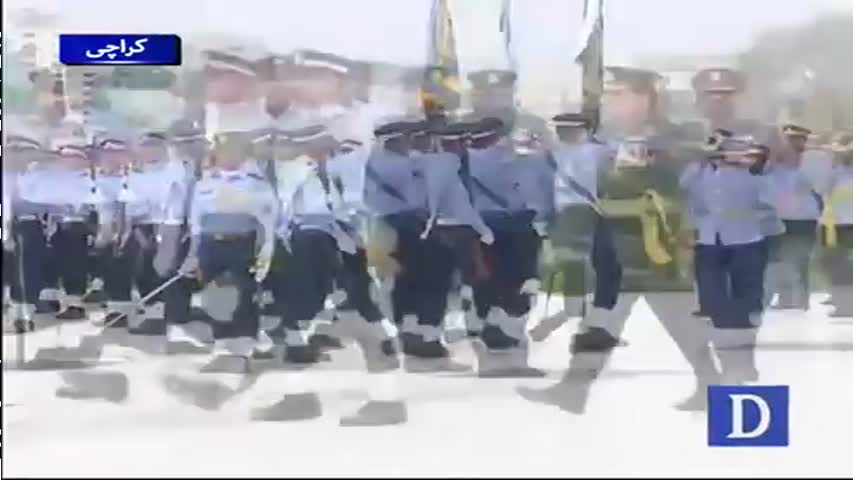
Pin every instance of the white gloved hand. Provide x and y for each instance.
(487, 238)
(541, 228)
(190, 266)
(9, 244)
(263, 264)
(530, 286)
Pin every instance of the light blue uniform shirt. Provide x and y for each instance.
(233, 202)
(398, 172)
(582, 163)
(796, 197)
(536, 179)
(730, 203)
(447, 198)
(494, 179)
(160, 191)
(57, 192)
(306, 204)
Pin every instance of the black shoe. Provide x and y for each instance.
(494, 338)
(410, 343)
(377, 414)
(307, 354)
(291, 408)
(226, 364)
(47, 307)
(115, 320)
(321, 341)
(199, 314)
(72, 313)
(595, 339)
(149, 326)
(431, 350)
(277, 335)
(388, 347)
(95, 296)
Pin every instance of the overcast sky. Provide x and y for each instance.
(544, 31)
(396, 29)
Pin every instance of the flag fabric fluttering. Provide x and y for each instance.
(440, 89)
(591, 58)
(506, 30)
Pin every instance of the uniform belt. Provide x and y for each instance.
(27, 217)
(228, 237)
(449, 222)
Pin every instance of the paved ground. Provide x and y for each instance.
(458, 425)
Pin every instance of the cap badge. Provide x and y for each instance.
(716, 76)
(493, 78)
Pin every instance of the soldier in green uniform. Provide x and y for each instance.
(639, 199)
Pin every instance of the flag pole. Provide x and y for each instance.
(593, 66)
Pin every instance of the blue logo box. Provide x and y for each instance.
(748, 415)
(114, 49)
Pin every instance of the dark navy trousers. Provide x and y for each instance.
(731, 280)
(233, 256)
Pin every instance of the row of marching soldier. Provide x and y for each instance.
(375, 229)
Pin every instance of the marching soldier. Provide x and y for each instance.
(70, 187)
(320, 244)
(799, 205)
(504, 298)
(837, 223)
(453, 234)
(638, 191)
(114, 158)
(24, 242)
(158, 186)
(396, 197)
(188, 148)
(718, 91)
(313, 235)
(731, 197)
(232, 218)
(577, 156)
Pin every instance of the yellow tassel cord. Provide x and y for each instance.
(827, 219)
(653, 219)
(383, 242)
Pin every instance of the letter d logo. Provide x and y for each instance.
(738, 426)
(748, 416)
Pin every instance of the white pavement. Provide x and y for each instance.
(458, 425)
